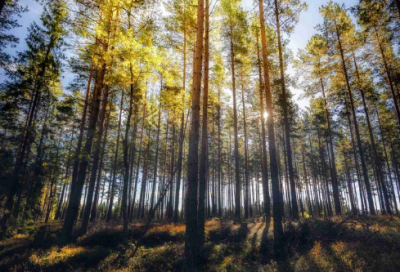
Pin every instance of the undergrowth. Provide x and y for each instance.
(336, 244)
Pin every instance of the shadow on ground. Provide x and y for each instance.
(339, 244)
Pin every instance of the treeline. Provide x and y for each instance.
(184, 110)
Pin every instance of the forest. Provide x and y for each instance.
(149, 135)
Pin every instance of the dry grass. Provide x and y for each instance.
(359, 244)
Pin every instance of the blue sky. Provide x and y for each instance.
(298, 39)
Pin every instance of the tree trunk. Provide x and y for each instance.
(60, 203)
(76, 192)
(190, 256)
(278, 229)
(295, 209)
(27, 137)
(360, 149)
(114, 175)
(204, 137)
(390, 80)
(96, 196)
(246, 161)
(330, 137)
(264, 168)
(235, 130)
(156, 158)
(95, 163)
(371, 136)
(126, 142)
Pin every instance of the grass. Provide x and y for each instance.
(336, 244)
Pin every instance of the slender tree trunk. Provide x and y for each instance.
(335, 185)
(96, 196)
(389, 77)
(246, 161)
(75, 167)
(204, 136)
(278, 229)
(310, 209)
(95, 163)
(76, 193)
(264, 168)
(60, 203)
(295, 209)
(170, 208)
(235, 129)
(191, 236)
(156, 159)
(27, 137)
(181, 134)
(144, 179)
(373, 145)
(114, 174)
(219, 155)
(360, 149)
(126, 144)
(387, 159)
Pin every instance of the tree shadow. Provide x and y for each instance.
(265, 248)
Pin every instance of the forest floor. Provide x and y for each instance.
(335, 244)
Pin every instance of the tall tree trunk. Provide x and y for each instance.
(101, 165)
(335, 185)
(139, 156)
(170, 208)
(264, 166)
(373, 145)
(246, 160)
(204, 136)
(95, 163)
(156, 158)
(144, 179)
(360, 149)
(219, 159)
(387, 159)
(295, 209)
(310, 209)
(76, 193)
(27, 137)
(389, 77)
(60, 203)
(235, 130)
(190, 256)
(77, 157)
(114, 174)
(278, 229)
(353, 208)
(53, 182)
(126, 144)
(181, 134)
